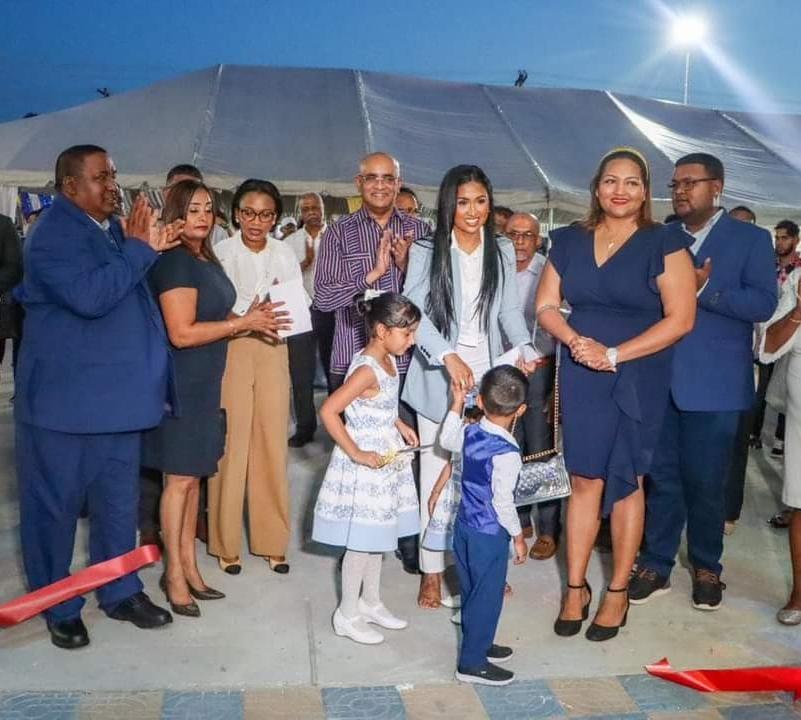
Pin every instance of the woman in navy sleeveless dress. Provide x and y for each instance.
(631, 288)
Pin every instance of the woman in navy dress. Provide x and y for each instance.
(631, 285)
(196, 298)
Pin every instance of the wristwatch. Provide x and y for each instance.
(611, 356)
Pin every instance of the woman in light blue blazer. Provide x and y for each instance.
(463, 278)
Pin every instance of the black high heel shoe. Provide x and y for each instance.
(599, 633)
(567, 628)
(189, 610)
(207, 593)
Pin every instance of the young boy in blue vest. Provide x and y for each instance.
(487, 517)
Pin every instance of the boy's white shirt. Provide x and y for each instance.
(505, 467)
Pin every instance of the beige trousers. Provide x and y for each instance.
(255, 395)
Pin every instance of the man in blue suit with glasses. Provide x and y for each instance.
(712, 383)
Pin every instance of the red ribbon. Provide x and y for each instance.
(758, 679)
(88, 579)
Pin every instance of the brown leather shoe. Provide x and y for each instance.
(544, 548)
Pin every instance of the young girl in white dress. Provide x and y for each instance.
(368, 497)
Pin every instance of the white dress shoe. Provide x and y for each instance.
(454, 602)
(356, 629)
(379, 615)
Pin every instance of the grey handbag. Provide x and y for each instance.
(542, 479)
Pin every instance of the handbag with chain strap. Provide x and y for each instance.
(544, 475)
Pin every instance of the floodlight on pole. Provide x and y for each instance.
(688, 31)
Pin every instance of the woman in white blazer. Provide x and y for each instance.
(463, 278)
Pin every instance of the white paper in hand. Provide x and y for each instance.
(292, 294)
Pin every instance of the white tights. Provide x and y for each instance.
(361, 571)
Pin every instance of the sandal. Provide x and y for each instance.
(278, 564)
(430, 595)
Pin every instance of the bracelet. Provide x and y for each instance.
(793, 320)
(543, 308)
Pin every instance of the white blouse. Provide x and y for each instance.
(787, 301)
(471, 270)
(252, 273)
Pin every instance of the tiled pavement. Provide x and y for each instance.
(629, 697)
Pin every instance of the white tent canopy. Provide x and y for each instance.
(305, 129)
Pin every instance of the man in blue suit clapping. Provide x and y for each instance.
(92, 374)
(712, 383)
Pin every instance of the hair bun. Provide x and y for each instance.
(363, 306)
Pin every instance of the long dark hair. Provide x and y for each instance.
(439, 303)
(176, 207)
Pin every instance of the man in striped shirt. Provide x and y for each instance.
(366, 249)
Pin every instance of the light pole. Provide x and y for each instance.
(688, 32)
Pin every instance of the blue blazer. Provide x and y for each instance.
(95, 356)
(713, 365)
(426, 388)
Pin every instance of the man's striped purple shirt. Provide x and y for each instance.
(347, 254)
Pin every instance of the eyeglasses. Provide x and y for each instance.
(251, 214)
(517, 235)
(373, 179)
(687, 184)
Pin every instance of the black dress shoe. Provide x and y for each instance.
(298, 440)
(408, 553)
(410, 563)
(139, 610)
(68, 634)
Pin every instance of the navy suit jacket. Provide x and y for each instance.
(95, 356)
(713, 365)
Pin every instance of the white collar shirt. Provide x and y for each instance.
(471, 270)
(299, 241)
(528, 281)
(701, 234)
(505, 467)
(252, 273)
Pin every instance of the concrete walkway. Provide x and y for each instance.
(274, 632)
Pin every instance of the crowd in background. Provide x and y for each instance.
(169, 405)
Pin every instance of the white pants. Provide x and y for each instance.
(434, 459)
(791, 495)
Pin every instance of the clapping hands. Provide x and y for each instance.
(399, 247)
(265, 318)
(143, 223)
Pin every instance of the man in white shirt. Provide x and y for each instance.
(535, 432)
(305, 243)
